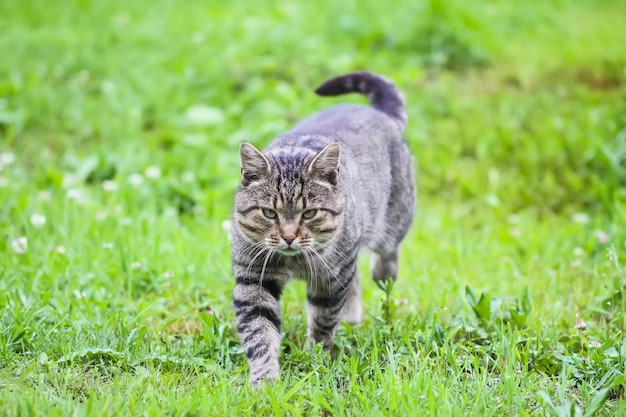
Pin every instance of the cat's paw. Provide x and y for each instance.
(257, 380)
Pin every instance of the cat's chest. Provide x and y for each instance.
(302, 266)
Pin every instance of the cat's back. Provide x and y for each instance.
(346, 122)
(356, 128)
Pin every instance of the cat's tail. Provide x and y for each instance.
(381, 92)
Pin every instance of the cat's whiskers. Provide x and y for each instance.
(312, 275)
(335, 250)
(330, 271)
(316, 274)
(249, 250)
(269, 255)
(261, 251)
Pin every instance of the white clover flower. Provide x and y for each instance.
(108, 87)
(515, 232)
(44, 195)
(107, 245)
(109, 186)
(170, 211)
(37, 220)
(136, 265)
(188, 177)
(197, 38)
(602, 237)
(203, 115)
(153, 173)
(576, 263)
(20, 245)
(74, 194)
(6, 159)
(60, 249)
(492, 200)
(581, 218)
(68, 180)
(514, 219)
(136, 179)
(168, 274)
(101, 216)
(79, 294)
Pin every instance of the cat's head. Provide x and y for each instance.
(290, 201)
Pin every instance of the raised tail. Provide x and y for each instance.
(382, 93)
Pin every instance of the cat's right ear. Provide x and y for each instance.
(254, 165)
(325, 165)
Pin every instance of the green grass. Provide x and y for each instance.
(120, 305)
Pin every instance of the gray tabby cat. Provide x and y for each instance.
(339, 182)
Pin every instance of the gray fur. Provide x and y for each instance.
(339, 182)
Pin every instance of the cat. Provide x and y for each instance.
(341, 181)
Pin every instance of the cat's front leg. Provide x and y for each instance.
(326, 302)
(258, 317)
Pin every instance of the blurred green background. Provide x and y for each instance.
(119, 129)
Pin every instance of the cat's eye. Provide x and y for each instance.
(269, 213)
(309, 214)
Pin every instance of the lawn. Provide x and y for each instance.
(119, 131)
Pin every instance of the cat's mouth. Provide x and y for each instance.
(289, 251)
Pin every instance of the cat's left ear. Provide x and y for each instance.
(254, 165)
(325, 165)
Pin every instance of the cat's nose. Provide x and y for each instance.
(289, 239)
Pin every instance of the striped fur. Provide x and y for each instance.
(339, 182)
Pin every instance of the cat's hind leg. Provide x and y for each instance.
(385, 265)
